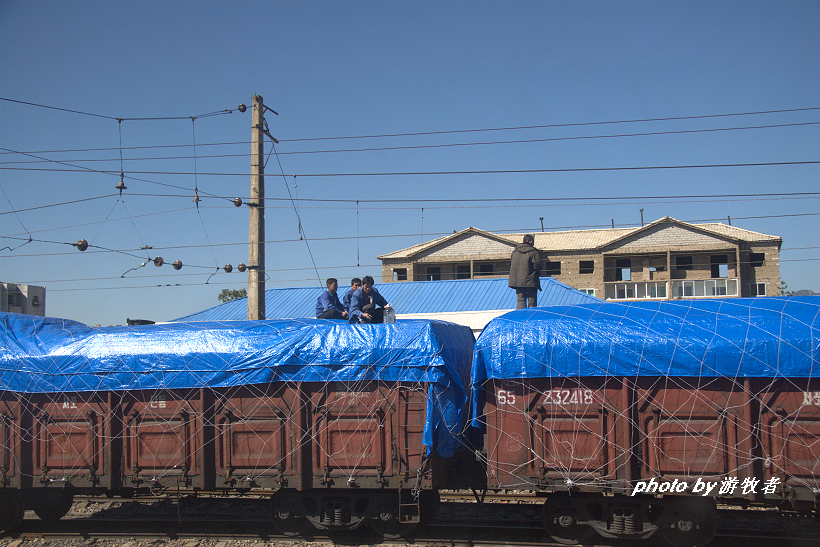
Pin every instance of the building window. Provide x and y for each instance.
(623, 269)
(399, 274)
(433, 274)
(757, 289)
(622, 291)
(590, 292)
(720, 266)
(551, 268)
(485, 269)
(756, 259)
(462, 271)
(683, 262)
(704, 287)
(586, 266)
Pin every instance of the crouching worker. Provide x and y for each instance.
(328, 305)
(364, 302)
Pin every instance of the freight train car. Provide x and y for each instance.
(340, 424)
(635, 418)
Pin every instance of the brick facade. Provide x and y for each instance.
(663, 260)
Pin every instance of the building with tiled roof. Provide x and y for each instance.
(663, 260)
(467, 302)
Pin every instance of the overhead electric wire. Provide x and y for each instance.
(296, 210)
(82, 169)
(206, 115)
(108, 149)
(424, 173)
(343, 238)
(529, 202)
(546, 126)
(346, 267)
(301, 280)
(455, 131)
(444, 145)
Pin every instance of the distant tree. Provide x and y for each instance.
(784, 289)
(232, 294)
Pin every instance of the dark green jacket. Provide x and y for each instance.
(525, 267)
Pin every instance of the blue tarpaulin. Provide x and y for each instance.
(47, 355)
(732, 337)
(773, 337)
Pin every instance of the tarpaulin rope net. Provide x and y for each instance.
(155, 380)
(721, 391)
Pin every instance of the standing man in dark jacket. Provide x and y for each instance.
(525, 273)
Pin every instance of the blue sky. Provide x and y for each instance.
(365, 69)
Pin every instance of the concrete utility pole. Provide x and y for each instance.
(256, 239)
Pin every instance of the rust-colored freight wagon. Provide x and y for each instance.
(341, 425)
(634, 418)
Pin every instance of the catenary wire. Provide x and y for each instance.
(206, 115)
(300, 280)
(706, 116)
(81, 169)
(342, 238)
(423, 173)
(444, 145)
(639, 200)
(324, 268)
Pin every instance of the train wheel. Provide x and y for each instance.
(387, 523)
(52, 504)
(561, 521)
(693, 525)
(286, 519)
(11, 510)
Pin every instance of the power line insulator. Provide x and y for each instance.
(242, 108)
(81, 245)
(228, 268)
(177, 264)
(121, 186)
(241, 267)
(158, 261)
(237, 202)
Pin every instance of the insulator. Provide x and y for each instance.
(121, 186)
(81, 245)
(228, 268)
(158, 261)
(177, 264)
(237, 202)
(241, 267)
(242, 108)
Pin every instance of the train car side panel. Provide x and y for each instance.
(160, 440)
(790, 430)
(69, 444)
(257, 437)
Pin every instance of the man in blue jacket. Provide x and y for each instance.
(355, 284)
(328, 305)
(364, 301)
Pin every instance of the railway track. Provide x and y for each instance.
(504, 519)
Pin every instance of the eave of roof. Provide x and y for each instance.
(408, 297)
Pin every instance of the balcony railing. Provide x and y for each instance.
(704, 287)
(645, 290)
(657, 290)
